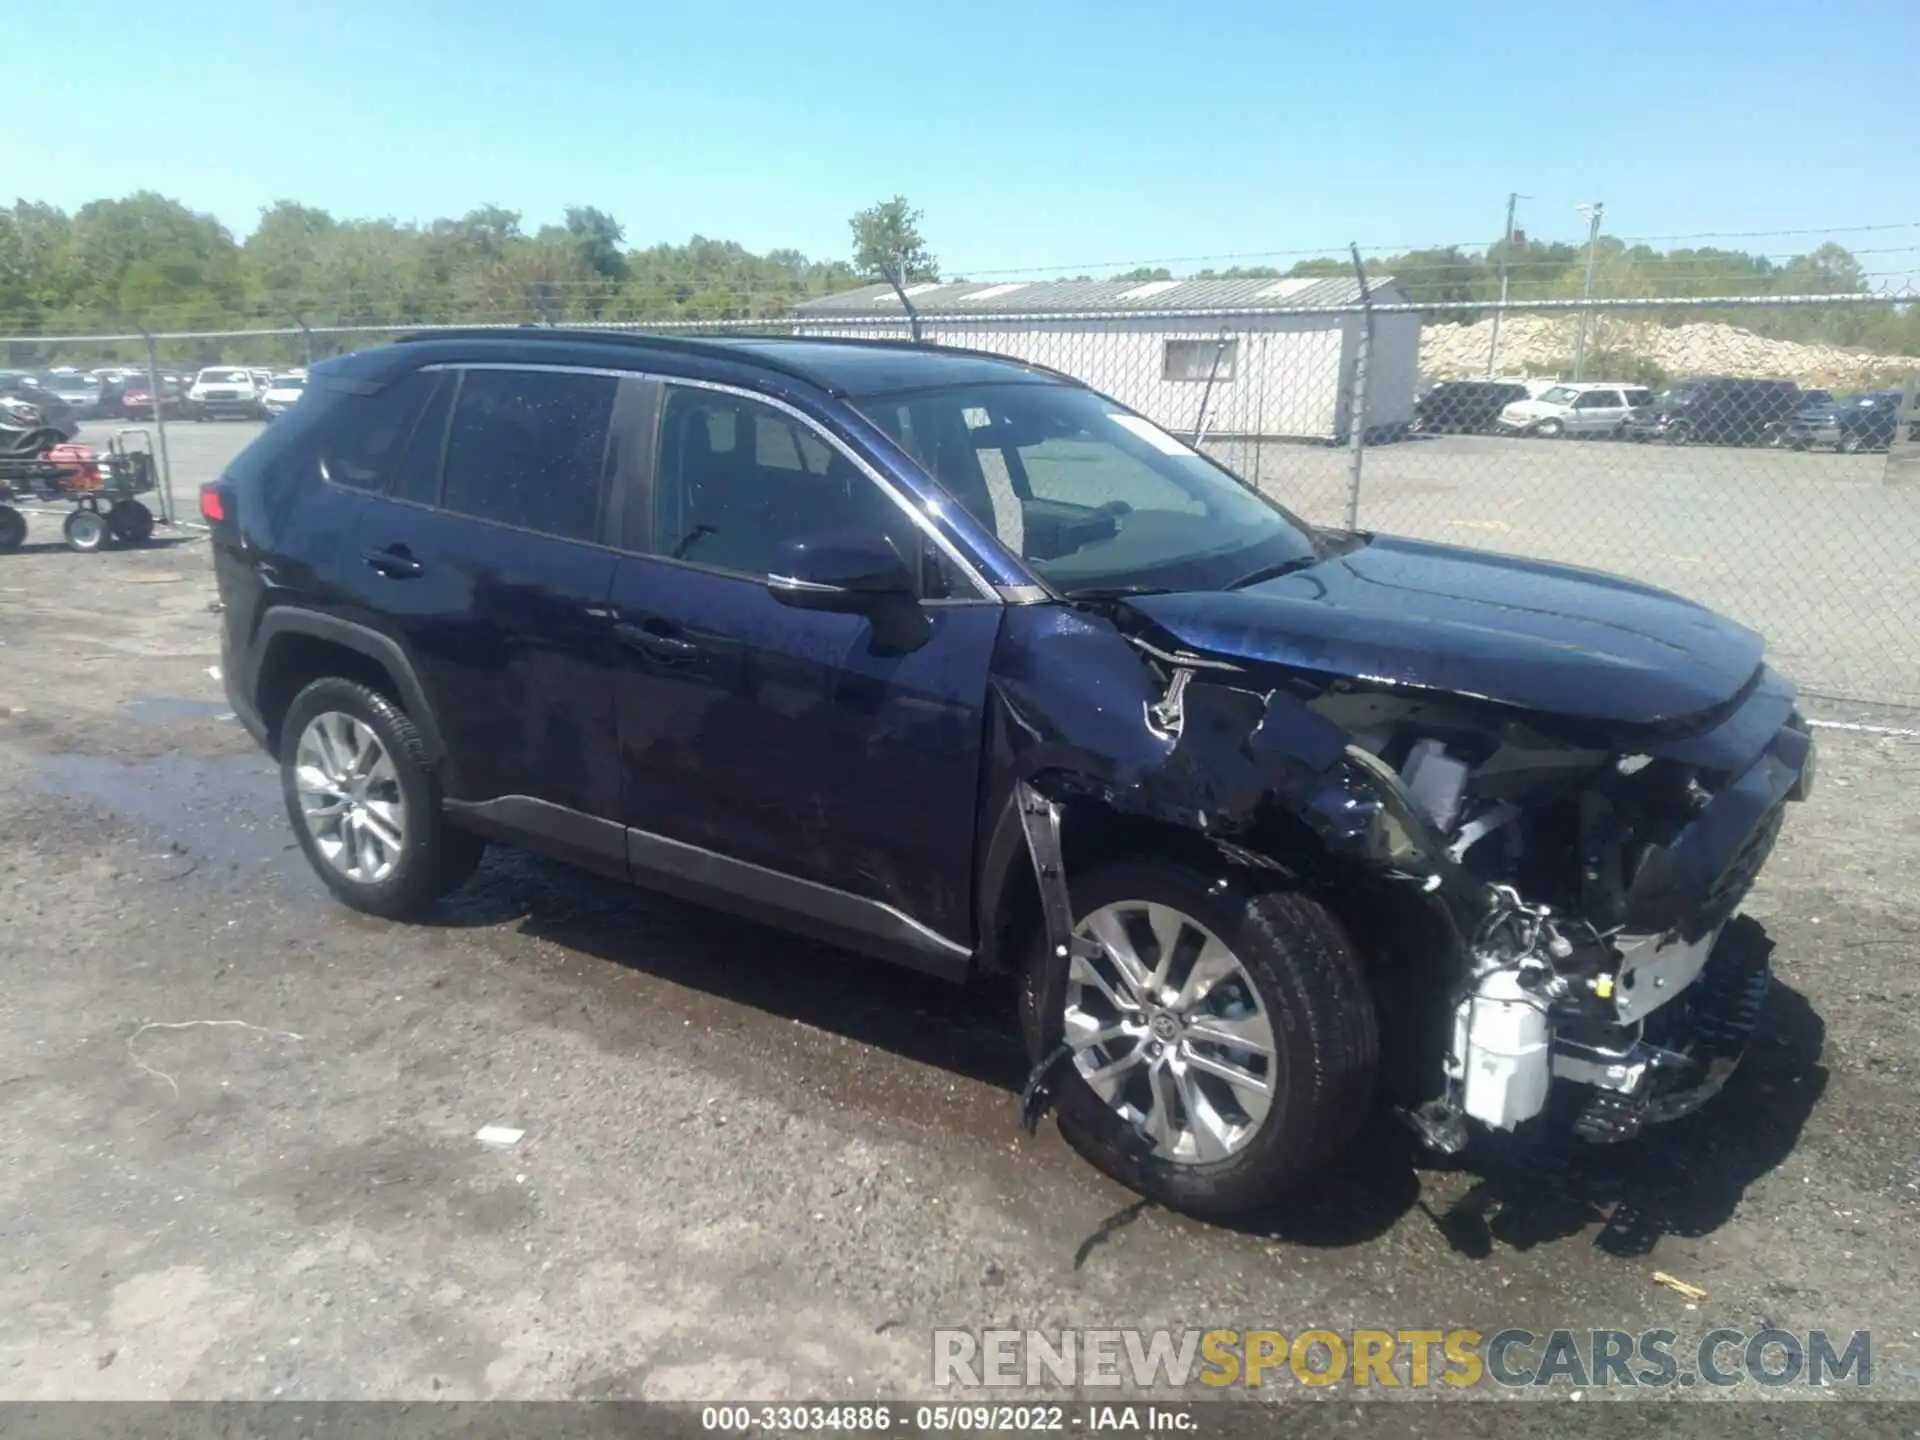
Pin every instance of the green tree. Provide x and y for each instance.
(596, 239)
(887, 245)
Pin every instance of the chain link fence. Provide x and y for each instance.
(1733, 451)
(1770, 478)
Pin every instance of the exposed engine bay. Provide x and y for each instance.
(1588, 868)
(1586, 961)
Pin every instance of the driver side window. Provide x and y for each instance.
(737, 478)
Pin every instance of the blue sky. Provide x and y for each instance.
(1036, 137)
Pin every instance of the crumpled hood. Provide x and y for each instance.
(1547, 638)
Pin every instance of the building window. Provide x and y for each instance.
(1200, 359)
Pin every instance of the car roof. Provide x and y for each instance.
(846, 367)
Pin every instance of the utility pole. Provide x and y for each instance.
(1595, 211)
(1506, 244)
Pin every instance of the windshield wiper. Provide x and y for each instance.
(1273, 572)
(1116, 592)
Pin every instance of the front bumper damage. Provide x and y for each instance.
(1607, 1031)
(1624, 996)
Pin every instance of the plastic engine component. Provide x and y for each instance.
(1436, 781)
(1502, 1051)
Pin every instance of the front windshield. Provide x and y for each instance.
(1090, 496)
(224, 377)
(1560, 395)
(289, 382)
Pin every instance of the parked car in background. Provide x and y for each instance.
(82, 393)
(283, 392)
(222, 390)
(1464, 405)
(1717, 410)
(1867, 421)
(136, 400)
(54, 412)
(1780, 432)
(1581, 408)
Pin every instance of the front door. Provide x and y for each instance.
(1597, 412)
(785, 742)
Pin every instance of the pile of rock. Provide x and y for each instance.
(1544, 345)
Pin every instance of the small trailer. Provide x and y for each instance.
(98, 488)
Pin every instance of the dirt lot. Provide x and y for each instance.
(237, 1153)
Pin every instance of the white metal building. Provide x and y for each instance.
(1262, 358)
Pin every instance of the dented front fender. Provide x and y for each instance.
(1083, 712)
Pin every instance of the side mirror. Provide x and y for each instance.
(853, 575)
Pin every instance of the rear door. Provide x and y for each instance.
(486, 558)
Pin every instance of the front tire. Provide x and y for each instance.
(1549, 429)
(364, 801)
(1216, 1102)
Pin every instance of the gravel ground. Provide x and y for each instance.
(237, 1154)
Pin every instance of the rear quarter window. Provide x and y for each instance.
(383, 442)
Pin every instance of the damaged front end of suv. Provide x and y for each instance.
(1540, 832)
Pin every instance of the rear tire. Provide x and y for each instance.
(13, 529)
(131, 522)
(424, 856)
(1312, 994)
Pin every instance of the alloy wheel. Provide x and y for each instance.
(350, 797)
(1166, 1027)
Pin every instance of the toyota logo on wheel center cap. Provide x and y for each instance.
(1165, 1026)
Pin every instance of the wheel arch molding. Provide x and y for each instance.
(282, 642)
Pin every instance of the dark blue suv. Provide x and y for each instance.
(947, 658)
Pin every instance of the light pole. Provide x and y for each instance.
(1594, 212)
(1506, 244)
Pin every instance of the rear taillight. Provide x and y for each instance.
(213, 502)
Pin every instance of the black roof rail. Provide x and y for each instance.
(723, 346)
(881, 342)
(637, 339)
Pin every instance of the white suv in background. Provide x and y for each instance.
(1591, 407)
(223, 390)
(282, 393)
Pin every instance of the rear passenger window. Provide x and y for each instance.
(368, 437)
(528, 448)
